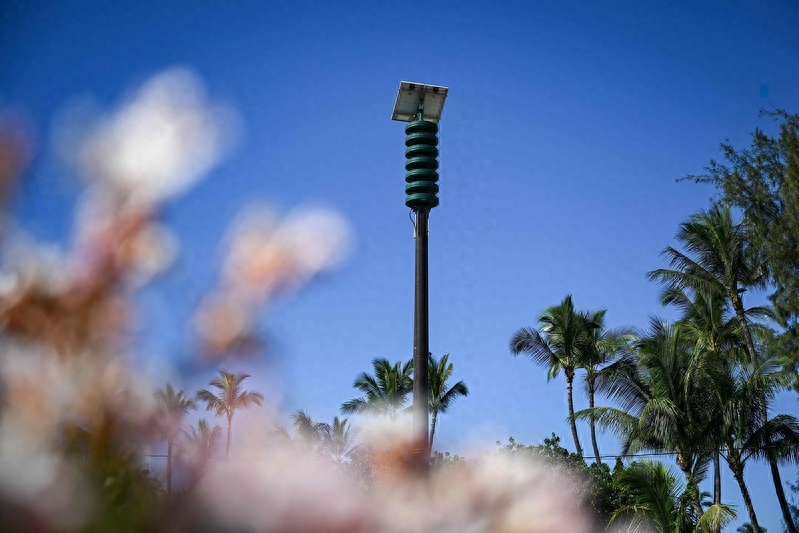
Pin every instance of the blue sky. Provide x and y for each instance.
(564, 131)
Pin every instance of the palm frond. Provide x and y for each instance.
(615, 420)
(655, 493)
(213, 403)
(716, 518)
(385, 392)
(529, 342)
(354, 406)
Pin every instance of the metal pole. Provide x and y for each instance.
(421, 342)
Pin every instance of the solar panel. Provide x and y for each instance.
(410, 94)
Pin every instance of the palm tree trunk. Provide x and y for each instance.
(169, 466)
(569, 382)
(786, 513)
(592, 421)
(717, 484)
(737, 303)
(696, 502)
(227, 449)
(716, 477)
(747, 500)
(776, 478)
(738, 306)
(433, 417)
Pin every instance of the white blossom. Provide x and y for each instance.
(161, 141)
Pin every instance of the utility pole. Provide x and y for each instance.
(420, 106)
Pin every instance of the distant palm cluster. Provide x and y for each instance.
(203, 440)
(360, 480)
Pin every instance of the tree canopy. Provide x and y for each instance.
(763, 182)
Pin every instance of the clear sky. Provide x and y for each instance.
(564, 131)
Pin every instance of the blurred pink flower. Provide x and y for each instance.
(264, 256)
(297, 491)
(159, 142)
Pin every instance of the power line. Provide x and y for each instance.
(612, 456)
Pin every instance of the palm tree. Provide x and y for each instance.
(715, 334)
(173, 406)
(230, 399)
(746, 527)
(309, 436)
(602, 348)
(204, 440)
(385, 393)
(748, 434)
(335, 439)
(740, 423)
(721, 258)
(722, 261)
(657, 497)
(665, 400)
(740, 387)
(339, 441)
(441, 397)
(560, 344)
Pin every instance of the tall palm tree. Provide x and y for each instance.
(740, 423)
(720, 257)
(559, 344)
(665, 400)
(173, 406)
(230, 398)
(603, 347)
(204, 440)
(748, 434)
(441, 397)
(340, 440)
(740, 387)
(715, 334)
(385, 393)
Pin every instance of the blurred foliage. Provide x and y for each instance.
(602, 489)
